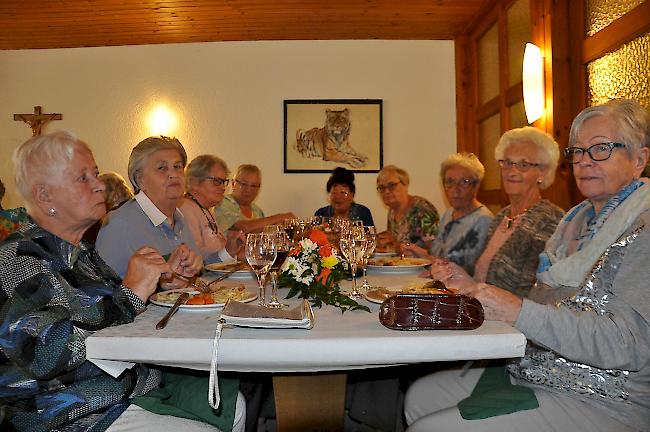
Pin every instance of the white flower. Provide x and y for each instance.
(308, 246)
(306, 280)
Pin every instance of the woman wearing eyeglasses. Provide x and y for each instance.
(587, 318)
(464, 226)
(238, 212)
(206, 180)
(528, 159)
(341, 190)
(411, 219)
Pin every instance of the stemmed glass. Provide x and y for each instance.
(260, 254)
(370, 233)
(352, 245)
(282, 246)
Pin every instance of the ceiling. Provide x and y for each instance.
(27, 24)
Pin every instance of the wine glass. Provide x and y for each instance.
(352, 245)
(260, 254)
(370, 233)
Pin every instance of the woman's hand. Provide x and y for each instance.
(385, 240)
(184, 262)
(413, 250)
(235, 241)
(453, 276)
(143, 272)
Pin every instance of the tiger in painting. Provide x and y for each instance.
(331, 142)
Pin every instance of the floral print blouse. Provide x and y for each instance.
(419, 226)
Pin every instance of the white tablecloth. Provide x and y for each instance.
(354, 340)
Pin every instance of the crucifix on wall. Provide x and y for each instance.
(37, 120)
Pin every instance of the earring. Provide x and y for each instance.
(539, 181)
(51, 211)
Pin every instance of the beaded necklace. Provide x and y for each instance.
(208, 216)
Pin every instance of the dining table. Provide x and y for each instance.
(308, 366)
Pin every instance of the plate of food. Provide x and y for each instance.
(216, 298)
(396, 264)
(238, 269)
(379, 294)
(387, 253)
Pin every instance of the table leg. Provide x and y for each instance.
(309, 403)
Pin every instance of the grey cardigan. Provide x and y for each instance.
(514, 265)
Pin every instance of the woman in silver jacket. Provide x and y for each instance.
(587, 320)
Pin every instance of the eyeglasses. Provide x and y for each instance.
(218, 181)
(388, 186)
(597, 152)
(521, 165)
(248, 185)
(463, 183)
(340, 194)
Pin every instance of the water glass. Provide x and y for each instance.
(260, 254)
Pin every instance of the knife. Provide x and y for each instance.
(179, 301)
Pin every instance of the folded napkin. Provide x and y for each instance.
(248, 315)
(494, 395)
(245, 315)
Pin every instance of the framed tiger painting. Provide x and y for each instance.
(321, 134)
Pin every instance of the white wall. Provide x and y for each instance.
(229, 98)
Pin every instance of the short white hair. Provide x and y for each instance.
(465, 160)
(548, 151)
(42, 158)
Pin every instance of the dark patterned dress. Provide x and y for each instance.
(53, 295)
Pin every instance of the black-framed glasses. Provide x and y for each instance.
(597, 152)
(521, 165)
(388, 186)
(218, 181)
(463, 183)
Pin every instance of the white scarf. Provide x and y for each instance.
(571, 270)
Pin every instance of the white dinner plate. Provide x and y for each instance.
(379, 294)
(397, 264)
(222, 268)
(155, 299)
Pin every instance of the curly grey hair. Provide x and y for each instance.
(547, 149)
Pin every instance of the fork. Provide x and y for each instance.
(195, 282)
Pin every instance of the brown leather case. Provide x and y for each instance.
(431, 312)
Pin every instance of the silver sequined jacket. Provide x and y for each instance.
(594, 345)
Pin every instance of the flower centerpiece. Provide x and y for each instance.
(313, 270)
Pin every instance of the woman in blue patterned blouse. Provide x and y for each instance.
(55, 290)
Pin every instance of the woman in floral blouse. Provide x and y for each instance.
(411, 219)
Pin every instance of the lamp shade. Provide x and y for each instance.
(533, 82)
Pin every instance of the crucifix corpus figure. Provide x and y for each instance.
(37, 120)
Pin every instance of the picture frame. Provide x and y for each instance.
(321, 134)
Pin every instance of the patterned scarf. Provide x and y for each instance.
(582, 236)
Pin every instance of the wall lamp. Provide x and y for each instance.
(533, 82)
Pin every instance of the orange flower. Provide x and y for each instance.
(325, 251)
(322, 277)
(318, 237)
(295, 251)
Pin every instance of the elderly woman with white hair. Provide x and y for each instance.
(157, 173)
(464, 226)
(206, 182)
(55, 290)
(528, 159)
(587, 318)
